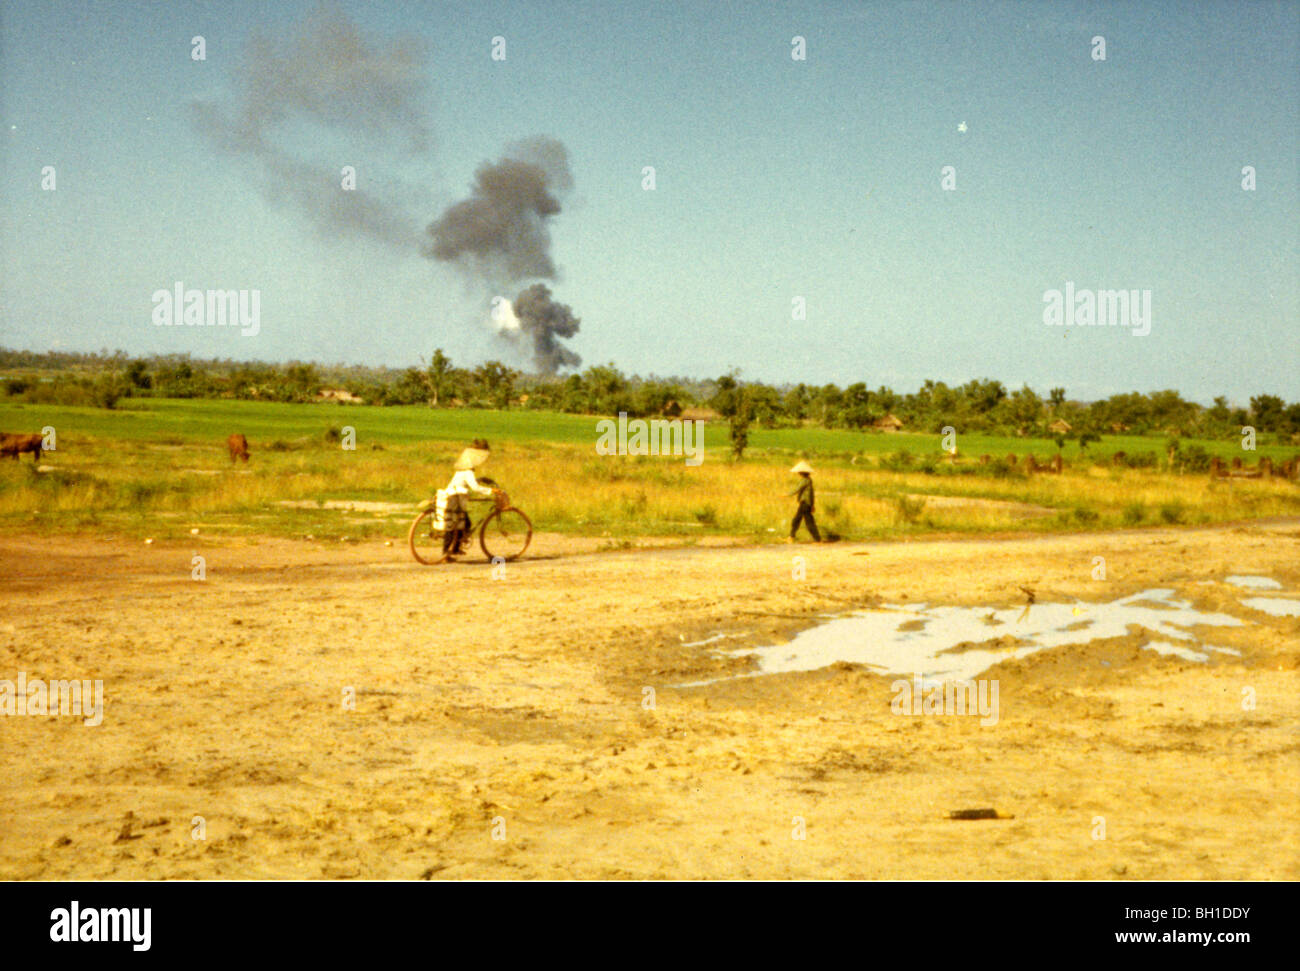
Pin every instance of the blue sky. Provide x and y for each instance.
(775, 179)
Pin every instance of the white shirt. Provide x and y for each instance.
(463, 483)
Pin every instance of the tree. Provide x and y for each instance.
(855, 412)
(1024, 408)
(1057, 397)
(138, 375)
(497, 382)
(738, 422)
(1267, 410)
(441, 374)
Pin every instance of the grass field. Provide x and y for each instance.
(156, 467)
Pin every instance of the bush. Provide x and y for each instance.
(1134, 513)
(1172, 512)
(1195, 458)
(706, 516)
(897, 462)
(1086, 516)
(908, 510)
(110, 389)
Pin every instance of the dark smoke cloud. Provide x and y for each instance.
(331, 76)
(543, 321)
(500, 232)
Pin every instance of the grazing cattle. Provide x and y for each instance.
(238, 446)
(15, 445)
(1265, 465)
(985, 459)
(1119, 458)
(1216, 467)
(1058, 463)
(1236, 461)
(1031, 464)
(1011, 459)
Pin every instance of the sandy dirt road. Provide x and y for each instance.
(501, 729)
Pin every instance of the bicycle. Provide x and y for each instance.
(503, 534)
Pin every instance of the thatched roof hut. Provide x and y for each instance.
(699, 414)
(890, 423)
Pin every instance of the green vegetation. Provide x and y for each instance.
(159, 467)
(979, 407)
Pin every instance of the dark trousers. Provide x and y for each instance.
(458, 525)
(804, 514)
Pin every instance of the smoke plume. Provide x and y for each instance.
(543, 321)
(312, 102)
(327, 76)
(500, 233)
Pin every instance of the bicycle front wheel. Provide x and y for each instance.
(505, 533)
(424, 539)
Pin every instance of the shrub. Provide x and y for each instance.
(908, 510)
(1195, 458)
(1172, 512)
(1134, 513)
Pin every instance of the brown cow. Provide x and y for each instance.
(15, 445)
(238, 446)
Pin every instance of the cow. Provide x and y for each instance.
(238, 446)
(15, 445)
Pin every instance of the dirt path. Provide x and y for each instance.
(519, 708)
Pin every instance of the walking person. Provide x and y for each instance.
(807, 502)
(463, 483)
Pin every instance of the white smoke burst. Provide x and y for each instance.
(503, 316)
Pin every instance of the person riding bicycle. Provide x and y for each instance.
(461, 486)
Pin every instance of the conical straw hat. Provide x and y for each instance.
(471, 458)
(802, 466)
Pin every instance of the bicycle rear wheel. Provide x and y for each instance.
(505, 533)
(424, 539)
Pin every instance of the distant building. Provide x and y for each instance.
(339, 396)
(699, 414)
(1059, 427)
(890, 423)
(672, 409)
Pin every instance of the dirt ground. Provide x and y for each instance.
(504, 727)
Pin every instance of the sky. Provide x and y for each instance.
(779, 181)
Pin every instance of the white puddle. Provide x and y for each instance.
(1177, 650)
(1277, 606)
(1253, 583)
(710, 640)
(918, 639)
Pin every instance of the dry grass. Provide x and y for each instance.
(155, 489)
